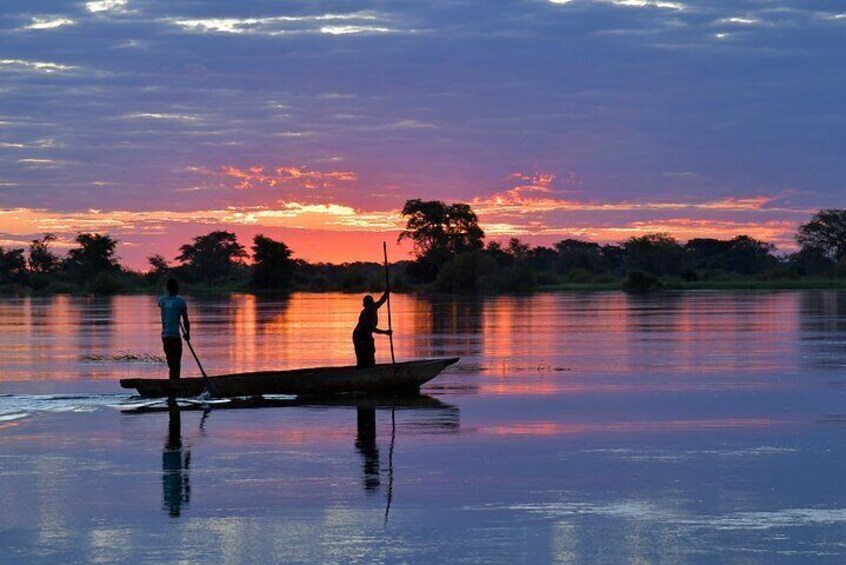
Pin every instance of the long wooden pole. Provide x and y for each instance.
(210, 388)
(388, 290)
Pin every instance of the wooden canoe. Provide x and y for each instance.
(318, 381)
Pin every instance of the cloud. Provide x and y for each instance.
(301, 215)
(47, 22)
(295, 134)
(100, 6)
(401, 125)
(539, 195)
(34, 66)
(258, 176)
(161, 116)
(741, 21)
(42, 163)
(349, 29)
(526, 200)
(662, 4)
(47, 143)
(282, 25)
(332, 217)
(648, 4)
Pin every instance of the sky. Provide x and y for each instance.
(314, 121)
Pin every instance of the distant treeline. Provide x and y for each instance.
(451, 255)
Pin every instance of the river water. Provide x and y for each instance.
(698, 427)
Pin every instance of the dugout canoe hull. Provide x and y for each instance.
(407, 376)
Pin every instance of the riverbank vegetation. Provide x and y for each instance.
(450, 255)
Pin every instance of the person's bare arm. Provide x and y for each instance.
(383, 299)
(383, 332)
(186, 325)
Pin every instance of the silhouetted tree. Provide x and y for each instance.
(158, 264)
(748, 256)
(614, 257)
(518, 249)
(439, 232)
(498, 254)
(214, 257)
(577, 254)
(95, 255)
(459, 274)
(543, 258)
(41, 259)
(12, 265)
(811, 262)
(272, 264)
(159, 267)
(827, 232)
(707, 253)
(658, 254)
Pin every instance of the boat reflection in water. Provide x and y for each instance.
(429, 416)
(421, 414)
(176, 462)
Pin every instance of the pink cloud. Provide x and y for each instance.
(258, 176)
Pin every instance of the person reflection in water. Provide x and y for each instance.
(173, 309)
(176, 484)
(365, 444)
(365, 347)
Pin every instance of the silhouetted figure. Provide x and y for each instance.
(365, 443)
(365, 347)
(176, 485)
(173, 309)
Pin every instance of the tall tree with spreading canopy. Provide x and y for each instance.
(214, 257)
(826, 232)
(272, 264)
(95, 255)
(438, 232)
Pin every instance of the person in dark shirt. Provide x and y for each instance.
(174, 310)
(365, 347)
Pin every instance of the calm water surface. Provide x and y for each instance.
(596, 428)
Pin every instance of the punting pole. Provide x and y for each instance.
(388, 290)
(210, 388)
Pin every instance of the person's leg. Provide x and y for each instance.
(177, 354)
(168, 355)
(360, 352)
(371, 352)
(173, 354)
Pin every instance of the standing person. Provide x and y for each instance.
(173, 309)
(365, 347)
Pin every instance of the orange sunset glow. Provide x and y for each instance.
(316, 214)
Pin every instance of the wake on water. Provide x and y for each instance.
(20, 406)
